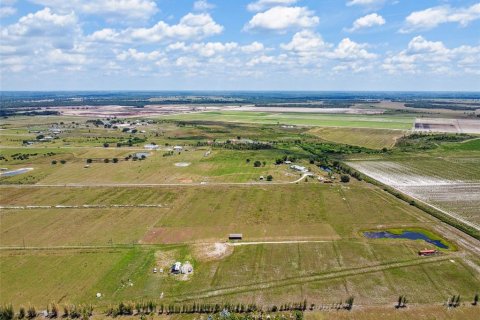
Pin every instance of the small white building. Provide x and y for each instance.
(151, 147)
(178, 148)
(176, 268)
(298, 168)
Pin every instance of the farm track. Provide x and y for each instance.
(85, 206)
(309, 278)
(134, 185)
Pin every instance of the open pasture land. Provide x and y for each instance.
(191, 165)
(447, 125)
(304, 211)
(368, 138)
(266, 274)
(303, 119)
(450, 184)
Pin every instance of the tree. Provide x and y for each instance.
(269, 177)
(63, 161)
(257, 164)
(345, 178)
(106, 160)
(54, 161)
(115, 160)
(106, 145)
(264, 163)
(248, 160)
(278, 161)
(475, 299)
(40, 136)
(89, 160)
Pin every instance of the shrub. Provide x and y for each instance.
(106, 160)
(63, 161)
(54, 162)
(6, 312)
(21, 313)
(89, 160)
(106, 145)
(115, 160)
(269, 177)
(344, 178)
(32, 312)
(257, 164)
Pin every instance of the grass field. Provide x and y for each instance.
(100, 236)
(303, 119)
(368, 138)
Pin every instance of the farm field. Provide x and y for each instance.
(303, 119)
(368, 138)
(192, 214)
(319, 272)
(73, 229)
(451, 184)
(192, 165)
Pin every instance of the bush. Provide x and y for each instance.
(269, 177)
(63, 161)
(115, 160)
(344, 178)
(257, 164)
(89, 160)
(106, 145)
(106, 160)
(6, 312)
(32, 312)
(54, 162)
(21, 313)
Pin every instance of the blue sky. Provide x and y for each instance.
(240, 45)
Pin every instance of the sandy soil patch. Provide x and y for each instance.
(182, 164)
(185, 180)
(212, 251)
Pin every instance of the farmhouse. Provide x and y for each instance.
(151, 147)
(235, 236)
(298, 168)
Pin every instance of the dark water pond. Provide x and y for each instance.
(412, 235)
(15, 172)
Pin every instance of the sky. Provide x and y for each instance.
(306, 45)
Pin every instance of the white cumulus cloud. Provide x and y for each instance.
(191, 26)
(282, 18)
(368, 21)
(261, 5)
(433, 17)
(130, 9)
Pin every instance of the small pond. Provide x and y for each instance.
(405, 234)
(15, 172)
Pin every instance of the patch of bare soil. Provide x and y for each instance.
(212, 251)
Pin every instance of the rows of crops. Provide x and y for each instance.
(449, 190)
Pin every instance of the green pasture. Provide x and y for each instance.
(302, 119)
